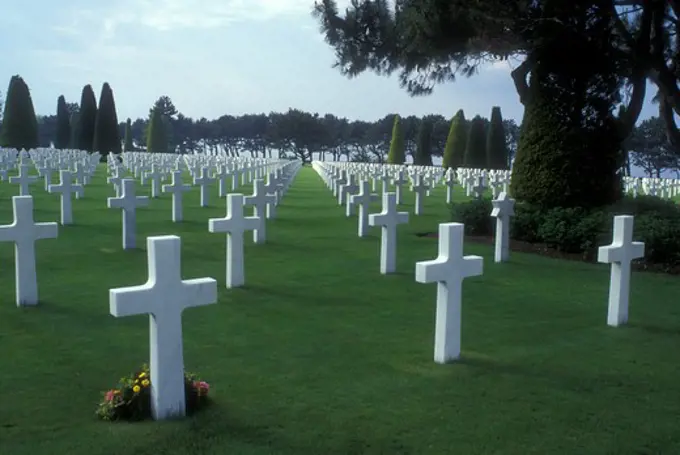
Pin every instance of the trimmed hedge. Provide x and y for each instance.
(579, 230)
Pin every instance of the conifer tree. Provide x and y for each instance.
(19, 124)
(87, 119)
(63, 134)
(456, 141)
(423, 156)
(397, 153)
(106, 134)
(496, 147)
(475, 150)
(156, 139)
(128, 145)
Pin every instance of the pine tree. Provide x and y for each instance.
(475, 150)
(496, 146)
(106, 134)
(19, 125)
(87, 118)
(63, 135)
(156, 139)
(454, 151)
(128, 145)
(397, 153)
(423, 156)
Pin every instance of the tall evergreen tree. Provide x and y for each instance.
(157, 139)
(87, 118)
(106, 134)
(128, 144)
(475, 150)
(397, 153)
(496, 147)
(20, 125)
(423, 155)
(63, 136)
(454, 150)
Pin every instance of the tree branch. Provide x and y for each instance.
(519, 77)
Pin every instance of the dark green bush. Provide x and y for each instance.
(571, 230)
(524, 225)
(475, 215)
(577, 230)
(661, 236)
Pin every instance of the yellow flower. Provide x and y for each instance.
(145, 383)
(136, 389)
(142, 374)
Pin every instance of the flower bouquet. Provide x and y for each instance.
(131, 399)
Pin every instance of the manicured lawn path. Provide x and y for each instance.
(320, 354)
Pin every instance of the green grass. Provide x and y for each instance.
(320, 354)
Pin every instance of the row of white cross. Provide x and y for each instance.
(451, 267)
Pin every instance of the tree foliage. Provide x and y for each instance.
(63, 137)
(456, 141)
(475, 149)
(19, 126)
(128, 144)
(496, 147)
(651, 149)
(423, 155)
(106, 135)
(156, 137)
(87, 118)
(397, 153)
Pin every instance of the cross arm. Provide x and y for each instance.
(132, 300)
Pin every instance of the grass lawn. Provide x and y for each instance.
(320, 354)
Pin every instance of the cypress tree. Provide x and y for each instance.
(19, 125)
(423, 156)
(475, 150)
(454, 151)
(86, 119)
(128, 145)
(106, 135)
(496, 147)
(63, 135)
(73, 139)
(156, 137)
(397, 153)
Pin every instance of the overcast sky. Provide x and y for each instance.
(212, 57)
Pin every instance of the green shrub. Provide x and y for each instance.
(475, 215)
(571, 230)
(661, 236)
(579, 230)
(524, 225)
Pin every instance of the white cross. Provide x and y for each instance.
(46, 173)
(271, 188)
(478, 188)
(503, 209)
(448, 271)
(115, 180)
(259, 201)
(24, 232)
(66, 187)
(620, 253)
(155, 176)
(203, 181)
(347, 190)
(177, 188)
(420, 188)
(23, 179)
(363, 200)
(450, 182)
(128, 202)
(221, 176)
(164, 297)
(388, 220)
(234, 224)
(398, 182)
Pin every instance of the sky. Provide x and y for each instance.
(213, 57)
